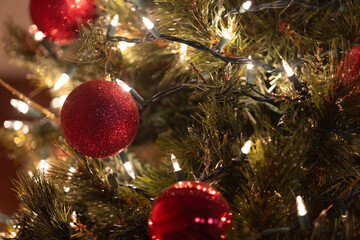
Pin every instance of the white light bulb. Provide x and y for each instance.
(43, 166)
(182, 51)
(249, 65)
(73, 219)
(72, 170)
(115, 21)
(25, 129)
(64, 78)
(123, 85)
(129, 169)
(66, 189)
(288, 70)
(175, 163)
(8, 124)
(19, 105)
(246, 148)
(18, 125)
(246, 5)
(300, 206)
(39, 35)
(226, 34)
(148, 24)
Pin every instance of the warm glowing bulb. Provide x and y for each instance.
(73, 219)
(249, 65)
(175, 163)
(115, 21)
(18, 125)
(129, 169)
(182, 51)
(148, 24)
(246, 148)
(58, 102)
(64, 78)
(288, 70)
(72, 170)
(19, 105)
(43, 166)
(66, 189)
(246, 5)
(39, 35)
(226, 34)
(300, 206)
(123, 85)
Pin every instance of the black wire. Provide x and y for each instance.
(283, 4)
(235, 60)
(223, 169)
(270, 231)
(138, 190)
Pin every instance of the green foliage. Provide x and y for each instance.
(46, 213)
(303, 144)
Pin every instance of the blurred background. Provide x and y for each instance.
(18, 11)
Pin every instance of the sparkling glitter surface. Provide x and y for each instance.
(349, 67)
(189, 210)
(59, 19)
(99, 118)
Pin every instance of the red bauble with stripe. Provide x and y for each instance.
(59, 20)
(99, 118)
(189, 210)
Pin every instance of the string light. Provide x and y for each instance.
(291, 75)
(38, 35)
(245, 6)
(302, 213)
(113, 24)
(66, 189)
(16, 125)
(182, 51)
(246, 147)
(148, 24)
(250, 73)
(20, 105)
(151, 27)
(288, 70)
(58, 102)
(43, 166)
(177, 169)
(73, 219)
(123, 85)
(124, 45)
(64, 78)
(226, 36)
(72, 170)
(130, 90)
(127, 164)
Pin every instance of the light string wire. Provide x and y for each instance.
(234, 60)
(282, 4)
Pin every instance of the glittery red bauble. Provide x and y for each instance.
(349, 67)
(99, 118)
(59, 19)
(189, 210)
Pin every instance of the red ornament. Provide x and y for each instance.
(59, 19)
(189, 210)
(350, 66)
(99, 118)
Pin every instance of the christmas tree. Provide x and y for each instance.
(196, 119)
